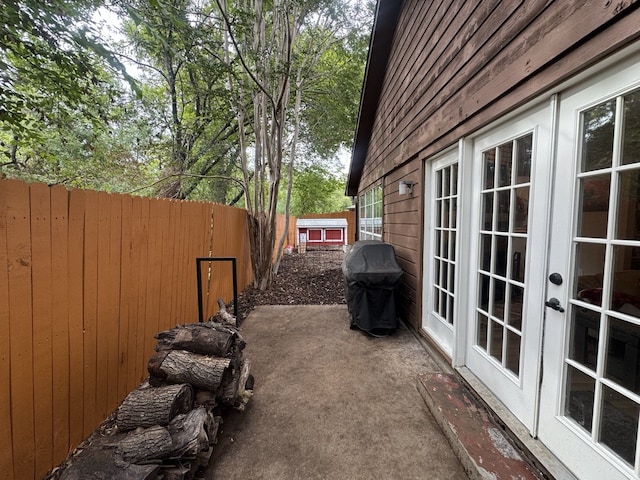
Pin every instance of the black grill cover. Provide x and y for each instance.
(371, 276)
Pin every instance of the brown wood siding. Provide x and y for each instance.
(456, 66)
(402, 226)
(452, 61)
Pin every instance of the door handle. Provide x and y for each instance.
(555, 304)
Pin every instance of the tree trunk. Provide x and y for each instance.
(196, 338)
(177, 366)
(149, 406)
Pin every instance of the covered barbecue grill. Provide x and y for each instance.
(371, 276)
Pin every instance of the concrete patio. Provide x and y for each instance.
(335, 403)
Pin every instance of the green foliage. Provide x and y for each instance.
(331, 102)
(65, 115)
(318, 190)
(50, 62)
(115, 155)
(178, 44)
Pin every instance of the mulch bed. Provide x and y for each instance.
(311, 278)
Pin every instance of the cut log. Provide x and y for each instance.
(236, 386)
(147, 406)
(146, 446)
(225, 317)
(245, 390)
(206, 398)
(95, 463)
(239, 341)
(189, 433)
(196, 338)
(177, 366)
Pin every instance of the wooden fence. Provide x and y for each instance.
(86, 280)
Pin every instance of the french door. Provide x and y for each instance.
(508, 218)
(590, 391)
(441, 240)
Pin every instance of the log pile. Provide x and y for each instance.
(167, 427)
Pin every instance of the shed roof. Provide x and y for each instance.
(384, 27)
(321, 222)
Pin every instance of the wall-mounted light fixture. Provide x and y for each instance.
(405, 187)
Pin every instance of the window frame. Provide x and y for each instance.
(370, 212)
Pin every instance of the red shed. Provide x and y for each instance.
(321, 232)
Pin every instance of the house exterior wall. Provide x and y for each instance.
(455, 67)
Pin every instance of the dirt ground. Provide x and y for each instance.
(311, 278)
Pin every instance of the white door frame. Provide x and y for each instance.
(567, 440)
(518, 393)
(443, 334)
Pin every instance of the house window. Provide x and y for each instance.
(371, 214)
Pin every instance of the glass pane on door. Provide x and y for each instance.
(445, 227)
(504, 212)
(602, 368)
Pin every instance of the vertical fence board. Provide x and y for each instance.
(6, 453)
(230, 243)
(197, 251)
(126, 284)
(165, 267)
(60, 321)
(187, 233)
(212, 270)
(173, 269)
(206, 272)
(41, 300)
(102, 327)
(159, 321)
(142, 279)
(75, 253)
(182, 240)
(206, 240)
(113, 302)
(136, 292)
(90, 299)
(20, 326)
(173, 236)
(153, 282)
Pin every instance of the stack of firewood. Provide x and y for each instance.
(166, 428)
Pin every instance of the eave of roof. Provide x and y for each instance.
(384, 26)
